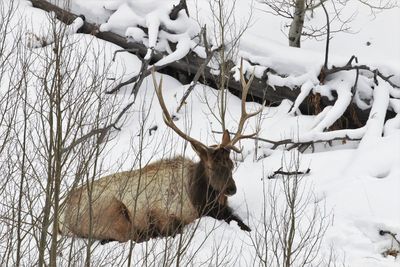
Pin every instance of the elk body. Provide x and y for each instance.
(161, 198)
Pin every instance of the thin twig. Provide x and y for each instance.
(175, 10)
(280, 172)
(138, 79)
(130, 50)
(210, 54)
(376, 72)
(393, 235)
(294, 144)
(328, 30)
(102, 132)
(354, 88)
(348, 66)
(143, 73)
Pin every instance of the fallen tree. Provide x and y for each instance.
(338, 109)
(184, 68)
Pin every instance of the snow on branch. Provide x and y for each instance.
(177, 8)
(157, 24)
(344, 97)
(377, 115)
(364, 95)
(306, 140)
(350, 66)
(393, 124)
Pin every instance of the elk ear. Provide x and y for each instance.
(226, 139)
(201, 150)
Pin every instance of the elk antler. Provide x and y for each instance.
(168, 119)
(244, 115)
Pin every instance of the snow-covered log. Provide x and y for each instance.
(264, 87)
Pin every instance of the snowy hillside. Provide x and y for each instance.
(345, 193)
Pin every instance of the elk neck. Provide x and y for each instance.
(202, 195)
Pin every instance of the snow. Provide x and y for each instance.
(377, 115)
(130, 16)
(358, 181)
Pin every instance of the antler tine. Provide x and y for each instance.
(167, 117)
(244, 115)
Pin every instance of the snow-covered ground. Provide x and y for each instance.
(357, 184)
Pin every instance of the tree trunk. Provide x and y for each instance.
(296, 27)
(188, 66)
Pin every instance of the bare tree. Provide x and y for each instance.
(297, 10)
(55, 120)
(12, 185)
(226, 34)
(293, 221)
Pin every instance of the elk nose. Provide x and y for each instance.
(230, 190)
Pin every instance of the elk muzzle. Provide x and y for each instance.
(230, 188)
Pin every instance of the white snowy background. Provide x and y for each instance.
(358, 182)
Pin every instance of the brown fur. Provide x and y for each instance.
(156, 201)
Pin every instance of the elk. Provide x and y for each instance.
(161, 198)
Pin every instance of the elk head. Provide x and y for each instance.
(215, 159)
(218, 165)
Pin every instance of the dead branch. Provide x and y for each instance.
(130, 50)
(210, 54)
(376, 72)
(175, 10)
(102, 132)
(280, 172)
(138, 79)
(349, 66)
(393, 235)
(293, 144)
(190, 65)
(354, 88)
(328, 32)
(325, 71)
(194, 82)
(144, 72)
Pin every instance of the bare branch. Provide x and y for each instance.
(293, 144)
(102, 132)
(385, 232)
(381, 6)
(175, 10)
(328, 29)
(280, 172)
(210, 54)
(138, 79)
(348, 67)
